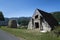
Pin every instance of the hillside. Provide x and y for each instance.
(20, 20)
(57, 16)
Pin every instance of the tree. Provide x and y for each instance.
(57, 16)
(1, 16)
(23, 21)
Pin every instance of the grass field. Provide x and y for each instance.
(31, 35)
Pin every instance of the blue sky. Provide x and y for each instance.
(26, 8)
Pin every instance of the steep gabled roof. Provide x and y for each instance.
(48, 18)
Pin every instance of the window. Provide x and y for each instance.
(36, 16)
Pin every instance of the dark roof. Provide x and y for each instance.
(48, 18)
(1, 17)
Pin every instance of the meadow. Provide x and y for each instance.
(31, 34)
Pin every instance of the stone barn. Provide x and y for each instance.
(43, 21)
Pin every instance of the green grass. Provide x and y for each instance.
(31, 35)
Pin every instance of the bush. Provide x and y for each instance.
(56, 31)
(12, 24)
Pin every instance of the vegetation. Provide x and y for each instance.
(57, 16)
(1, 16)
(31, 34)
(23, 21)
(12, 24)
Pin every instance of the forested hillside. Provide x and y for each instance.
(21, 20)
(57, 16)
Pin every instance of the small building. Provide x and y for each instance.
(43, 21)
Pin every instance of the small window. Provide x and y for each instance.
(36, 16)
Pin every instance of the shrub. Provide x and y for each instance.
(12, 24)
(56, 31)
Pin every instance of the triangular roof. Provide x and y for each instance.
(48, 18)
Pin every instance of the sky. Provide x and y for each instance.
(26, 8)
